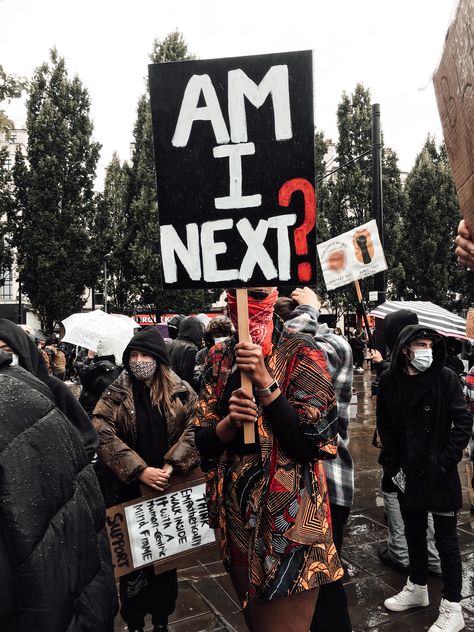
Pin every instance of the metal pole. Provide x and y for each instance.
(105, 286)
(377, 196)
(20, 311)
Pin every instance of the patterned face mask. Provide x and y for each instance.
(143, 370)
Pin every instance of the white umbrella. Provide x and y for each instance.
(86, 329)
(429, 315)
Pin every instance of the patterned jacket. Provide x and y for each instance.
(338, 355)
(287, 488)
(115, 421)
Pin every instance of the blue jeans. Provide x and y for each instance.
(397, 543)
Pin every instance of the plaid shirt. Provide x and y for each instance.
(338, 355)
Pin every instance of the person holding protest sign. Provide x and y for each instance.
(145, 425)
(269, 498)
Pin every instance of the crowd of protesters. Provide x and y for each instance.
(162, 406)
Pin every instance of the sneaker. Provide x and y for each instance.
(450, 617)
(387, 559)
(411, 596)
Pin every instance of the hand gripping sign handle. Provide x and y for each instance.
(244, 336)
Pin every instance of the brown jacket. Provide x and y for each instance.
(115, 421)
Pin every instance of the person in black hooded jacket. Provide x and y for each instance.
(394, 552)
(424, 425)
(183, 350)
(25, 353)
(55, 565)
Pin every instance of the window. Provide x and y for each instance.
(6, 288)
(12, 138)
(8, 162)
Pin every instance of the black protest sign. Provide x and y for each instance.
(234, 152)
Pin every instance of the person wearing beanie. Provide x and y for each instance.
(145, 425)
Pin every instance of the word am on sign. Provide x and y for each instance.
(234, 153)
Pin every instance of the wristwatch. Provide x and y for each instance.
(264, 392)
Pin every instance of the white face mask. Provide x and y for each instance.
(15, 360)
(422, 359)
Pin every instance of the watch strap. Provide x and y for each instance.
(264, 392)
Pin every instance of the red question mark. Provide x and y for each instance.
(300, 233)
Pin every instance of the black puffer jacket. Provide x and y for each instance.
(31, 359)
(183, 350)
(55, 566)
(427, 435)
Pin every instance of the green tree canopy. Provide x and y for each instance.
(55, 200)
(426, 253)
(142, 241)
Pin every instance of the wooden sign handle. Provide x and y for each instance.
(364, 314)
(244, 336)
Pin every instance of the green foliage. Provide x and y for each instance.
(136, 262)
(56, 208)
(430, 271)
(7, 203)
(347, 196)
(11, 87)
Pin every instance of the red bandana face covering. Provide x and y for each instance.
(260, 319)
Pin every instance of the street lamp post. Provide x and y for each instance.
(105, 282)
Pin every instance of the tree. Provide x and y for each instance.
(7, 203)
(430, 271)
(11, 87)
(56, 205)
(142, 208)
(349, 193)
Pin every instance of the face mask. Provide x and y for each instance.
(15, 360)
(143, 370)
(422, 359)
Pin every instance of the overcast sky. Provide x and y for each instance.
(391, 46)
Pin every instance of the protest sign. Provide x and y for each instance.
(162, 529)
(351, 256)
(234, 154)
(454, 87)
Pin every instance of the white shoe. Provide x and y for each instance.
(450, 617)
(411, 596)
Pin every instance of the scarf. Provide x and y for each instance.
(260, 319)
(152, 435)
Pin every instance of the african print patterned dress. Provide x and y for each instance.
(272, 511)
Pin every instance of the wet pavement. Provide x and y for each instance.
(207, 601)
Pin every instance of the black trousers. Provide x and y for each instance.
(143, 592)
(447, 543)
(331, 611)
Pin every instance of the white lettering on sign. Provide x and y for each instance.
(275, 83)
(167, 525)
(240, 86)
(235, 199)
(190, 112)
(211, 248)
(173, 248)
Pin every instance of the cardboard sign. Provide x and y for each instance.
(353, 255)
(164, 529)
(454, 87)
(235, 170)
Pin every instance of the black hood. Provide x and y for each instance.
(29, 356)
(395, 322)
(192, 330)
(174, 324)
(148, 341)
(411, 332)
